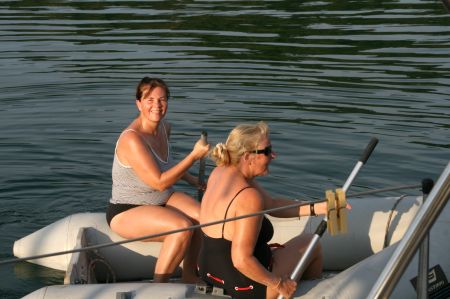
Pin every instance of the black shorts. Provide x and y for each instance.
(114, 209)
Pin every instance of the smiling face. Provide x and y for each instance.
(153, 104)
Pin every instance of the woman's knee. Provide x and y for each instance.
(117, 226)
(186, 205)
(183, 223)
(195, 215)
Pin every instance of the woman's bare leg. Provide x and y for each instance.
(285, 260)
(184, 203)
(147, 220)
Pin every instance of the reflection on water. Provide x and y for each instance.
(326, 75)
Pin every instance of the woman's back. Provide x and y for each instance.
(219, 199)
(216, 265)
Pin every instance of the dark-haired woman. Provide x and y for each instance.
(143, 201)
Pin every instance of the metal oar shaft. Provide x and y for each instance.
(362, 160)
(303, 262)
(352, 176)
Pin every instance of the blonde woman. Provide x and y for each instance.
(236, 255)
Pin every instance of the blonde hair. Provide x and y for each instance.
(243, 138)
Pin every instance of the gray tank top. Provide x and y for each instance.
(128, 188)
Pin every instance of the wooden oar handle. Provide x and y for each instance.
(201, 169)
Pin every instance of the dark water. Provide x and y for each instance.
(326, 75)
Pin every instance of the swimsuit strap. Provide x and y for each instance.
(149, 145)
(126, 130)
(226, 212)
(167, 145)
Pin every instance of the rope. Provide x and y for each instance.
(268, 211)
(388, 224)
(98, 258)
(385, 190)
(91, 269)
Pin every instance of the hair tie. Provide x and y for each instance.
(221, 147)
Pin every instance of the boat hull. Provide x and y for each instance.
(371, 221)
(357, 257)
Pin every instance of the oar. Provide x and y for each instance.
(301, 265)
(446, 4)
(201, 169)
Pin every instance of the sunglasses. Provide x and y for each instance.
(266, 151)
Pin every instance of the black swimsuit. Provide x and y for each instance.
(216, 266)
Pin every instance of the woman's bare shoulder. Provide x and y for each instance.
(249, 200)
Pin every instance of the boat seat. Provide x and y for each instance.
(208, 289)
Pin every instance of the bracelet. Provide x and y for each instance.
(311, 209)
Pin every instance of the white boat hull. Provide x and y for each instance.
(359, 256)
(367, 224)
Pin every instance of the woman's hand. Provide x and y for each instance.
(285, 287)
(201, 149)
(321, 208)
(202, 186)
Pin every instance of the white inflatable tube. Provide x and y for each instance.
(368, 222)
(353, 282)
(357, 281)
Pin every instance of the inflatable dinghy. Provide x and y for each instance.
(352, 261)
